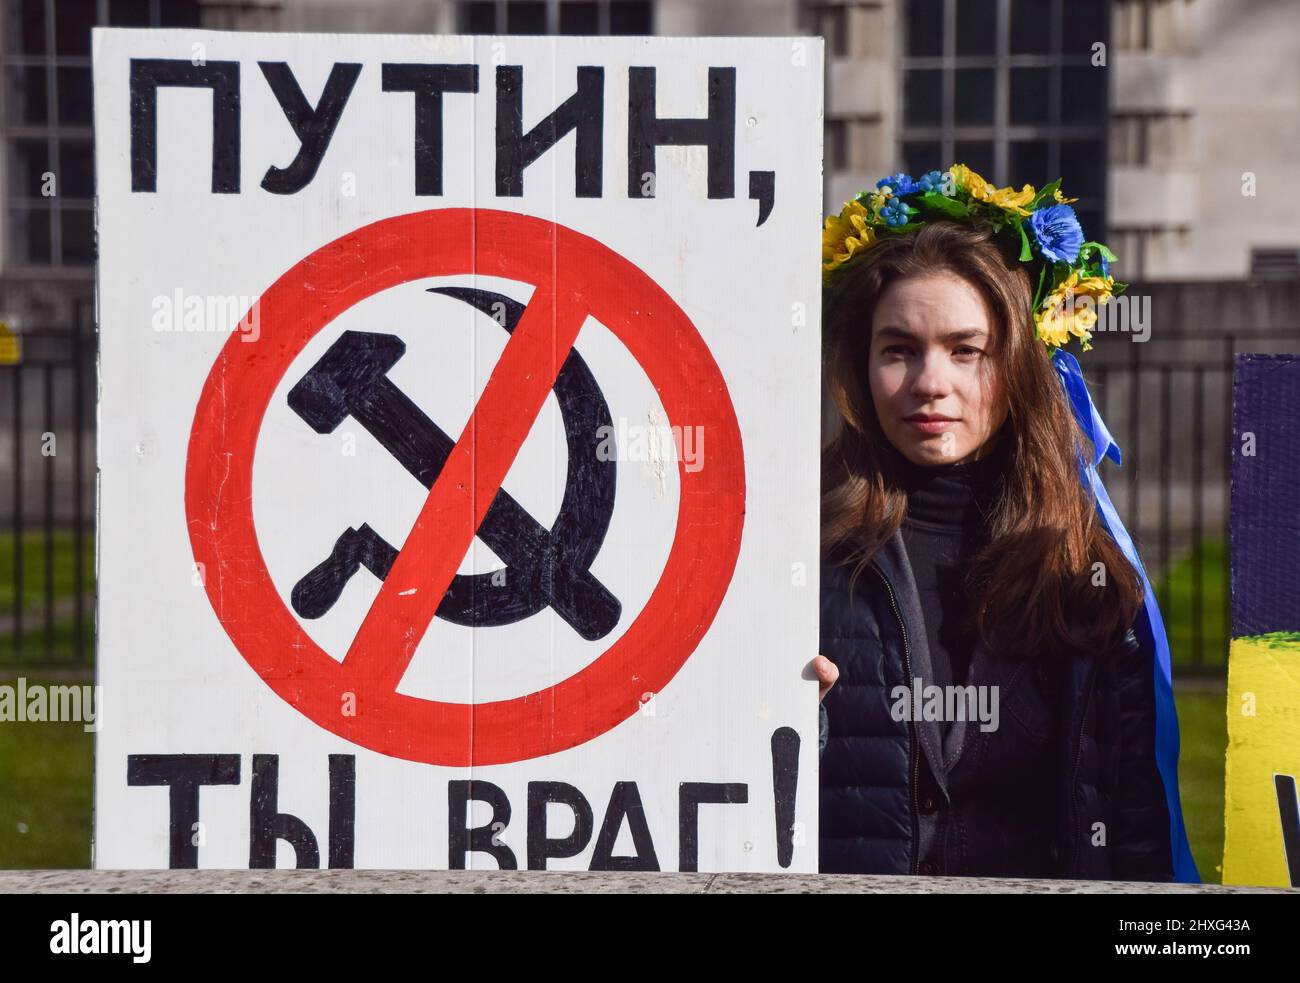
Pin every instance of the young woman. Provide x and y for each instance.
(987, 708)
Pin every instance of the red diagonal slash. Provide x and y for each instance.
(464, 489)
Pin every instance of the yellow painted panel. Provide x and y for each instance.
(1263, 741)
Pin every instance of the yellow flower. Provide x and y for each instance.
(845, 235)
(1008, 199)
(964, 177)
(1052, 332)
(1101, 287)
(1062, 200)
(1062, 315)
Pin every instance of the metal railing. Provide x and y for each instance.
(47, 527)
(1166, 401)
(1168, 404)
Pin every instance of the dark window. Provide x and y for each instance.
(77, 168)
(27, 96)
(564, 16)
(32, 234)
(629, 17)
(975, 154)
(31, 161)
(75, 94)
(178, 13)
(478, 17)
(1031, 92)
(579, 18)
(73, 20)
(923, 156)
(1082, 168)
(974, 96)
(1027, 163)
(525, 17)
(78, 235)
(128, 13)
(1031, 27)
(1016, 95)
(977, 27)
(1083, 94)
(1090, 220)
(57, 228)
(1084, 23)
(923, 97)
(27, 35)
(925, 28)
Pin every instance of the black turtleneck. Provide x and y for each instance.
(948, 506)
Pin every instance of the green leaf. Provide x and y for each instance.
(1045, 193)
(1026, 251)
(950, 207)
(1099, 247)
(1038, 294)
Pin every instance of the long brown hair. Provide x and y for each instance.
(1035, 567)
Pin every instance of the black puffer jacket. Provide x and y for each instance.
(896, 798)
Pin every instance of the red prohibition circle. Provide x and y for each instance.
(571, 272)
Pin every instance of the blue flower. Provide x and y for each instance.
(900, 183)
(1105, 266)
(1058, 233)
(894, 213)
(931, 181)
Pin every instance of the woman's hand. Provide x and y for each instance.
(826, 672)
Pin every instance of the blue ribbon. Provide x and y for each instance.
(1150, 627)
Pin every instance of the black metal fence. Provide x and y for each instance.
(1167, 401)
(47, 527)
(1168, 404)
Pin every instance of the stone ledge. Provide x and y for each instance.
(556, 882)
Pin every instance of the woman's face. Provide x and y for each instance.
(932, 382)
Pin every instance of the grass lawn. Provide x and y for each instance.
(45, 785)
(33, 647)
(1202, 718)
(1180, 620)
(34, 568)
(1203, 734)
(60, 650)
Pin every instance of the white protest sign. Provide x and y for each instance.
(459, 435)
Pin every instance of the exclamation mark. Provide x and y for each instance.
(785, 781)
(1289, 809)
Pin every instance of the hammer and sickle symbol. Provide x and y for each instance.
(543, 566)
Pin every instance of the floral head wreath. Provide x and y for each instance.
(1073, 275)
